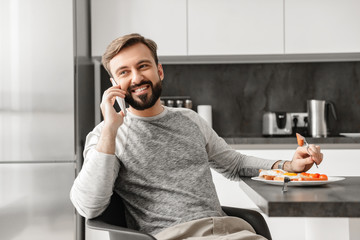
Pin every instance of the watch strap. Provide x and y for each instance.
(281, 164)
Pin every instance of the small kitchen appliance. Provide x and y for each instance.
(277, 123)
(318, 117)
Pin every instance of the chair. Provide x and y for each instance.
(113, 221)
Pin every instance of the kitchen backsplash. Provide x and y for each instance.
(241, 93)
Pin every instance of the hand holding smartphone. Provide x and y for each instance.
(119, 100)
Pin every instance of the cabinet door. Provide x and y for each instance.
(160, 20)
(339, 162)
(322, 26)
(235, 27)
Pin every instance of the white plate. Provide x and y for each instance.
(350, 134)
(300, 183)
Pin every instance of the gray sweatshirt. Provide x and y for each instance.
(161, 169)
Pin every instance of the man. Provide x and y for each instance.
(158, 159)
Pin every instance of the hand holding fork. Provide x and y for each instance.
(301, 141)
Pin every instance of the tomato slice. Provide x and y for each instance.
(315, 175)
(323, 177)
(300, 139)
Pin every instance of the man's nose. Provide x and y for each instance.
(136, 77)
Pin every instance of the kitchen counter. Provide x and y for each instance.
(337, 199)
(338, 142)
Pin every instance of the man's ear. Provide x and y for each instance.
(160, 71)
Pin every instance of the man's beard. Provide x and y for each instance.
(145, 101)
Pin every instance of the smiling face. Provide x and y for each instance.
(135, 70)
(146, 98)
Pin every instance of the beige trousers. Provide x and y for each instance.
(212, 228)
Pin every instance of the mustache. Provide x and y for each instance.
(139, 84)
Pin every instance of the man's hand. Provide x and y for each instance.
(112, 120)
(302, 161)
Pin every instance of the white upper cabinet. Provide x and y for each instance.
(322, 26)
(160, 20)
(235, 27)
(246, 30)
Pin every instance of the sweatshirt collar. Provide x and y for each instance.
(160, 115)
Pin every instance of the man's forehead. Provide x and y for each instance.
(132, 55)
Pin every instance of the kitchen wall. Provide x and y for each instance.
(241, 93)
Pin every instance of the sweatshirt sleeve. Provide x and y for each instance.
(226, 160)
(93, 187)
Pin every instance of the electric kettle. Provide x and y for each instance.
(319, 117)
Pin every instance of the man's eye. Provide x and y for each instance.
(122, 73)
(143, 66)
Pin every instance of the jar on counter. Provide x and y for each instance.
(170, 103)
(179, 103)
(188, 103)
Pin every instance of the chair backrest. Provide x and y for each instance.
(113, 221)
(115, 212)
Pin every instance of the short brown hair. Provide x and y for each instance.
(126, 41)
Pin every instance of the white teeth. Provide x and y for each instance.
(140, 89)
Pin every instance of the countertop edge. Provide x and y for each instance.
(272, 146)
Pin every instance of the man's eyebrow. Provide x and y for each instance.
(143, 61)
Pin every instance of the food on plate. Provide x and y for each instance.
(270, 174)
(279, 175)
(312, 177)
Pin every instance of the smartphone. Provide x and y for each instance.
(119, 100)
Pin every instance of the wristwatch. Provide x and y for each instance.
(281, 164)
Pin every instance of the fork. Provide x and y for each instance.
(307, 149)
(286, 180)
